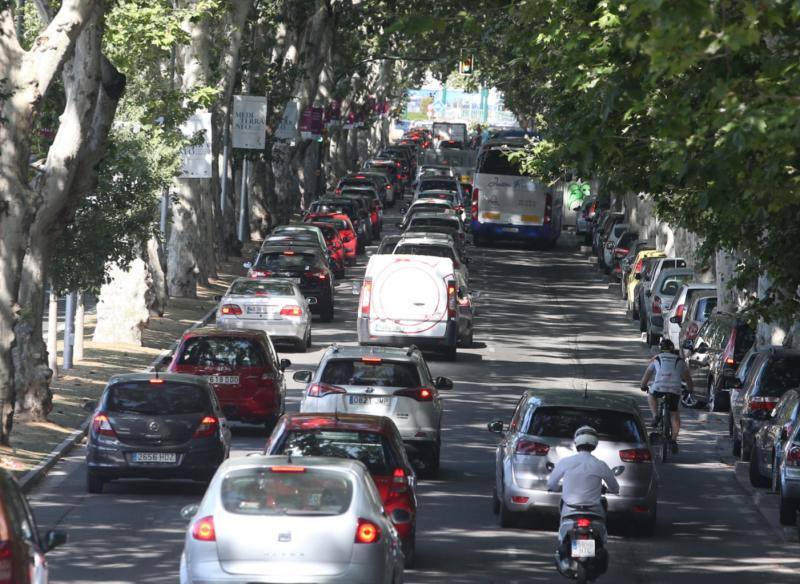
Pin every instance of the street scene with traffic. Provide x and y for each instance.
(345, 312)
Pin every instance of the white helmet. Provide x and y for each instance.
(586, 436)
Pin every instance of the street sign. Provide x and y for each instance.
(311, 122)
(196, 162)
(466, 65)
(249, 122)
(287, 130)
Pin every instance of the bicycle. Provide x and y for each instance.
(663, 424)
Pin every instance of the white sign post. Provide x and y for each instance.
(197, 159)
(287, 129)
(249, 122)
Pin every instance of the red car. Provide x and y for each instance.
(335, 246)
(346, 231)
(375, 441)
(242, 367)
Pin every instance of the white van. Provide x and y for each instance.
(410, 300)
(508, 204)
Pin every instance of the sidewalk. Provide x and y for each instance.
(36, 446)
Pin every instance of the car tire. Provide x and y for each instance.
(506, 517)
(451, 353)
(300, 345)
(468, 340)
(646, 527)
(410, 552)
(94, 483)
(309, 342)
(713, 403)
(755, 476)
(736, 446)
(642, 321)
(431, 455)
(787, 511)
(327, 313)
(495, 502)
(652, 338)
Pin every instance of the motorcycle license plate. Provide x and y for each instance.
(582, 548)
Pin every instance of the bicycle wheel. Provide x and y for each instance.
(666, 430)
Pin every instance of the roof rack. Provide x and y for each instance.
(411, 349)
(335, 347)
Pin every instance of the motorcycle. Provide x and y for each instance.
(582, 555)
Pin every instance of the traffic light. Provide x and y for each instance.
(466, 65)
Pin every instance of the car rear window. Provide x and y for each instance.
(705, 306)
(284, 260)
(150, 399)
(337, 223)
(232, 352)
(495, 161)
(745, 337)
(431, 184)
(780, 374)
(263, 491)
(380, 373)
(561, 422)
(422, 223)
(446, 196)
(369, 447)
(439, 251)
(671, 285)
(261, 288)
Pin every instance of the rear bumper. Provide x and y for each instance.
(790, 482)
(449, 339)
(210, 572)
(193, 463)
(508, 231)
(277, 330)
(545, 502)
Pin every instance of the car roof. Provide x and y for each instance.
(650, 253)
(594, 399)
(444, 239)
(430, 200)
(337, 421)
(355, 351)
(218, 332)
(290, 283)
(147, 376)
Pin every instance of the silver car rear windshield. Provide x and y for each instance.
(261, 288)
(561, 422)
(151, 399)
(290, 490)
(381, 373)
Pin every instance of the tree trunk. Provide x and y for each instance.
(182, 268)
(157, 297)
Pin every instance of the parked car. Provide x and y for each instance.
(267, 518)
(384, 381)
(606, 257)
(773, 372)
(701, 306)
(242, 367)
(652, 268)
(375, 441)
(673, 319)
(156, 427)
(387, 244)
(625, 264)
(635, 276)
(274, 306)
(541, 432)
(713, 357)
(769, 444)
(787, 477)
(23, 559)
(659, 299)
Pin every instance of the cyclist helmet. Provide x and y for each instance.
(586, 436)
(666, 346)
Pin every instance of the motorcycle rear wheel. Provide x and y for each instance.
(581, 574)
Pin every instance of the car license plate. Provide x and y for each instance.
(582, 548)
(155, 457)
(510, 230)
(256, 309)
(386, 327)
(366, 400)
(224, 379)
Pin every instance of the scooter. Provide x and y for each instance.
(582, 555)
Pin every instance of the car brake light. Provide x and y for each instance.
(583, 522)
(730, 361)
(291, 311)
(451, 299)
(260, 273)
(372, 360)
(230, 309)
(530, 447)
(323, 389)
(475, 194)
(157, 381)
(399, 481)
(207, 428)
(656, 304)
(288, 469)
(679, 312)
(416, 393)
(6, 562)
(548, 208)
(793, 456)
(203, 529)
(762, 404)
(366, 297)
(319, 274)
(621, 252)
(102, 426)
(288, 252)
(635, 455)
(367, 532)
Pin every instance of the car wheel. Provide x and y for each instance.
(410, 552)
(642, 321)
(431, 454)
(495, 502)
(787, 511)
(755, 476)
(468, 339)
(94, 483)
(451, 353)
(647, 527)
(775, 482)
(308, 340)
(652, 338)
(327, 313)
(507, 518)
(736, 448)
(713, 402)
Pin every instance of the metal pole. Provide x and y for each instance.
(77, 350)
(164, 215)
(243, 203)
(224, 174)
(69, 320)
(20, 20)
(52, 333)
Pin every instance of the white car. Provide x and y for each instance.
(674, 318)
(275, 306)
(608, 250)
(383, 381)
(268, 519)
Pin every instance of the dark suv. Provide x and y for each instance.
(713, 357)
(772, 373)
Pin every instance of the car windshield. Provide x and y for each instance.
(285, 260)
(433, 184)
(781, 373)
(370, 448)
(440, 251)
(275, 491)
(705, 306)
(671, 285)
(433, 224)
(370, 373)
(337, 223)
(233, 352)
(561, 422)
(495, 161)
(151, 399)
(387, 245)
(261, 288)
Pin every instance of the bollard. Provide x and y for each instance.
(69, 321)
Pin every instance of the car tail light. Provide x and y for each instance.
(635, 455)
(679, 312)
(638, 267)
(583, 522)
(366, 297)
(793, 456)
(207, 428)
(203, 529)
(421, 394)
(760, 404)
(323, 389)
(292, 310)
(730, 361)
(621, 252)
(530, 447)
(101, 426)
(388, 187)
(519, 500)
(548, 208)
(656, 304)
(372, 360)
(338, 191)
(230, 309)
(288, 469)
(475, 194)
(451, 299)
(399, 481)
(6, 563)
(367, 532)
(259, 273)
(397, 164)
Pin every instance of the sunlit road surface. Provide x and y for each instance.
(546, 320)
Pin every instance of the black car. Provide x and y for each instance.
(154, 426)
(306, 266)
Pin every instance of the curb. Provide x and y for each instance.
(31, 478)
(764, 502)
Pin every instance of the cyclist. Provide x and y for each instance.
(667, 372)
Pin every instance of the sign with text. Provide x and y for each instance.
(249, 122)
(287, 130)
(311, 122)
(196, 162)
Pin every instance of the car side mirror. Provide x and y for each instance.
(302, 376)
(443, 383)
(189, 511)
(495, 427)
(702, 348)
(247, 265)
(285, 364)
(217, 297)
(89, 406)
(54, 538)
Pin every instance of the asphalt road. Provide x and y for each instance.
(546, 320)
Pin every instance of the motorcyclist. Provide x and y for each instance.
(667, 372)
(583, 476)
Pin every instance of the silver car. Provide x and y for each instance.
(382, 381)
(266, 519)
(541, 433)
(275, 306)
(658, 300)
